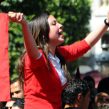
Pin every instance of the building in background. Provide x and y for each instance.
(98, 57)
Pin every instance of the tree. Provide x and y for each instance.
(73, 14)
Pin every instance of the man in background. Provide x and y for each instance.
(16, 89)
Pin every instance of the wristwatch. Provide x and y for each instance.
(106, 23)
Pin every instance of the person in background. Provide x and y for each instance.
(103, 86)
(16, 89)
(76, 95)
(91, 83)
(102, 97)
(15, 103)
(18, 104)
(43, 64)
(9, 104)
(102, 100)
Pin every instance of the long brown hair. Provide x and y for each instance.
(39, 28)
(40, 31)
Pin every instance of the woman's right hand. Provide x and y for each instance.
(16, 17)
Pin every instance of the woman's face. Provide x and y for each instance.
(56, 36)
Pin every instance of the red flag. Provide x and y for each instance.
(4, 59)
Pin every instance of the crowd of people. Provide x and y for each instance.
(81, 93)
(46, 80)
(17, 96)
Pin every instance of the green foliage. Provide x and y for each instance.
(73, 14)
(15, 45)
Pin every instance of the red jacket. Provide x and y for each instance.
(42, 87)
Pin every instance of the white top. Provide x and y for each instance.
(56, 63)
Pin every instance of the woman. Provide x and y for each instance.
(44, 78)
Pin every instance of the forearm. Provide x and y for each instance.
(94, 36)
(29, 41)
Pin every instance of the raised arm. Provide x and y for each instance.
(94, 36)
(29, 41)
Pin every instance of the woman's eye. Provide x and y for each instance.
(54, 23)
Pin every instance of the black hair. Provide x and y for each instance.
(19, 102)
(103, 86)
(72, 90)
(15, 80)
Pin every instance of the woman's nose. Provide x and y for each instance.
(60, 26)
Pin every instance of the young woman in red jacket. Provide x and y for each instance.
(44, 67)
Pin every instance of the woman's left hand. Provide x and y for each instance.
(16, 17)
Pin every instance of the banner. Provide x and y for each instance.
(4, 59)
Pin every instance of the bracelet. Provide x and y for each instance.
(106, 23)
